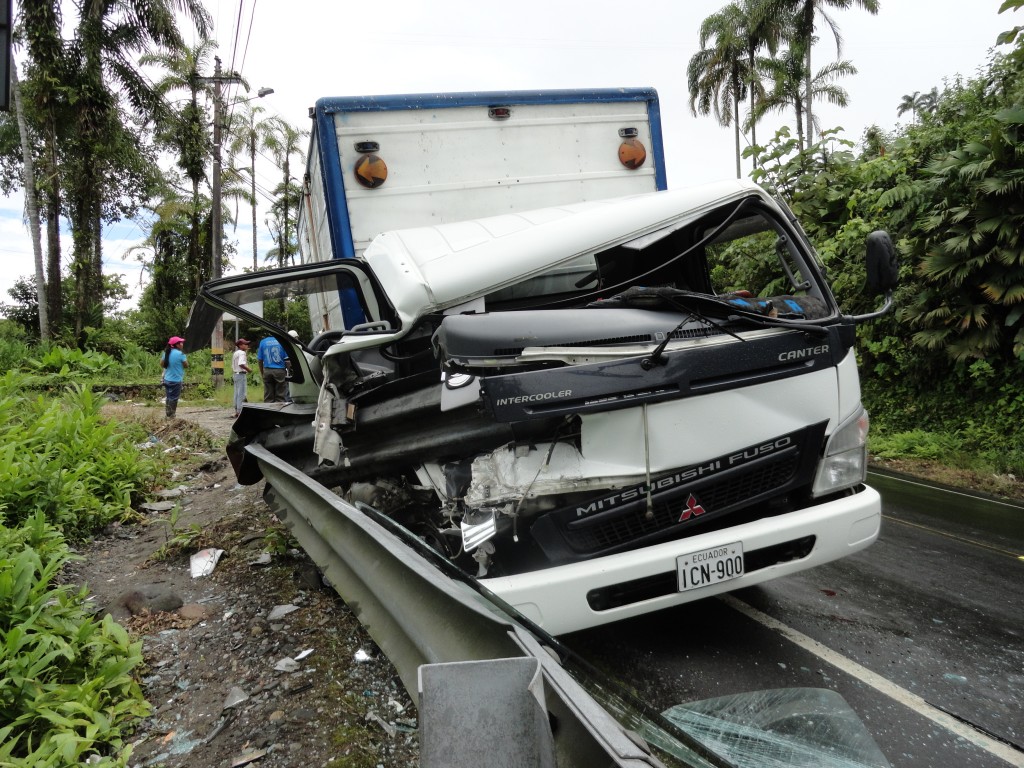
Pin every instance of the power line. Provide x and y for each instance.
(238, 29)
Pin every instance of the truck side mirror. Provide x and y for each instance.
(883, 268)
(883, 265)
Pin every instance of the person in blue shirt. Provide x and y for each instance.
(174, 362)
(274, 364)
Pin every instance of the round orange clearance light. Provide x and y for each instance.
(370, 171)
(632, 153)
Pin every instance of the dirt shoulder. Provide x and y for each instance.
(1005, 487)
(256, 663)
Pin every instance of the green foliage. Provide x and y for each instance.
(918, 444)
(24, 311)
(67, 364)
(942, 375)
(278, 541)
(61, 459)
(747, 264)
(176, 539)
(14, 352)
(66, 689)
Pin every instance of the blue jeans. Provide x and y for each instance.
(173, 394)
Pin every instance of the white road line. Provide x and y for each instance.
(988, 499)
(953, 536)
(880, 684)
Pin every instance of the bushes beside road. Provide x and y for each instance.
(67, 692)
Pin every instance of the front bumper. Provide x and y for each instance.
(563, 598)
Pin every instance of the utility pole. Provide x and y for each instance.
(217, 338)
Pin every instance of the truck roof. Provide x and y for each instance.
(430, 269)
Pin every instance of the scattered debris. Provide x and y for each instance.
(204, 561)
(193, 612)
(221, 725)
(287, 665)
(388, 727)
(235, 697)
(158, 506)
(280, 611)
(248, 757)
(312, 717)
(171, 493)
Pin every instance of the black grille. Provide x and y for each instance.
(716, 498)
(764, 479)
(696, 333)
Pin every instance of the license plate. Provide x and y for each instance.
(710, 566)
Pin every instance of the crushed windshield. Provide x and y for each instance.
(739, 257)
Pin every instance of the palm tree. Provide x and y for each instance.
(928, 102)
(31, 205)
(40, 25)
(806, 14)
(767, 25)
(918, 103)
(718, 77)
(787, 75)
(909, 103)
(185, 131)
(284, 143)
(109, 38)
(248, 133)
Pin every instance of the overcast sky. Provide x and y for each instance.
(308, 49)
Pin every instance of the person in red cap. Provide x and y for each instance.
(174, 362)
(240, 373)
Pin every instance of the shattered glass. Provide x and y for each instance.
(789, 727)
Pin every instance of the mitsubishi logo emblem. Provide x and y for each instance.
(693, 508)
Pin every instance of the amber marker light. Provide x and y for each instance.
(371, 171)
(632, 153)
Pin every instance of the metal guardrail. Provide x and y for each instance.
(419, 615)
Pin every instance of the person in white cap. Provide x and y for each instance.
(240, 373)
(174, 362)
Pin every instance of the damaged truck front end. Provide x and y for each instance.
(599, 410)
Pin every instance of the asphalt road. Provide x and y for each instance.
(922, 634)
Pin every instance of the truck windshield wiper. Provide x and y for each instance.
(657, 357)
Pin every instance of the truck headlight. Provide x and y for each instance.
(845, 463)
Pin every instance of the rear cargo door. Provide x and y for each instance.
(399, 162)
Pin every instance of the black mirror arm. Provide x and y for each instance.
(886, 307)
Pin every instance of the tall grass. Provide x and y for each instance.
(61, 458)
